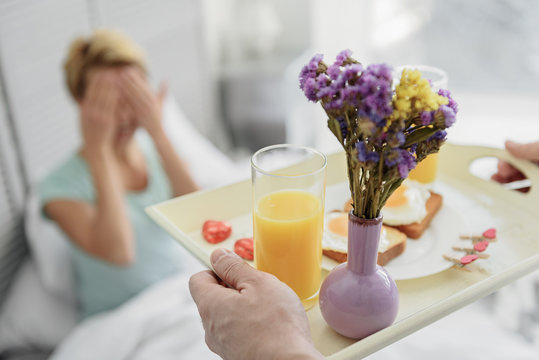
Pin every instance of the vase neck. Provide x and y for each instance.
(363, 239)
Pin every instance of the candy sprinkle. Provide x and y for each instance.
(467, 259)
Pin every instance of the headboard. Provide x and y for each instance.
(12, 244)
(38, 120)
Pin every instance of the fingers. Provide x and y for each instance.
(506, 171)
(94, 88)
(102, 91)
(200, 283)
(232, 269)
(90, 93)
(528, 151)
(139, 96)
(134, 84)
(109, 99)
(162, 92)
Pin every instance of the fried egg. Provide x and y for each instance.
(336, 233)
(407, 204)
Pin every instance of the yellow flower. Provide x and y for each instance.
(414, 95)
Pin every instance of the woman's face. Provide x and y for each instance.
(125, 119)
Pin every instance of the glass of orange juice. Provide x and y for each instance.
(289, 184)
(425, 172)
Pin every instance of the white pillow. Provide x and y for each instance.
(209, 166)
(32, 317)
(51, 250)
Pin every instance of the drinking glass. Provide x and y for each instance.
(425, 171)
(289, 184)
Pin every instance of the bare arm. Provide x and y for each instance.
(112, 234)
(148, 106)
(103, 229)
(175, 168)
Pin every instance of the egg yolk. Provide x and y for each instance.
(339, 225)
(398, 198)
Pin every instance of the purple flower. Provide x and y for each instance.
(350, 94)
(334, 71)
(304, 75)
(326, 91)
(426, 117)
(375, 90)
(335, 104)
(401, 138)
(363, 155)
(381, 71)
(344, 127)
(392, 158)
(315, 61)
(452, 103)
(352, 71)
(342, 57)
(438, 135)
(309, 70)
(449, 115)
(321, 81)
(310, 89)
(406, 163)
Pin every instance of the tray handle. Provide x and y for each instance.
(456, 160)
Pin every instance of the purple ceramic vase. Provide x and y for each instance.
(358, 297)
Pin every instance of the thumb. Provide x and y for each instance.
(231, 268)
(528, 151)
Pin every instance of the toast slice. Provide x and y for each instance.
(415, 230)
(395, 246)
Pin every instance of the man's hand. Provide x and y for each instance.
(249, 314)
(507, 173)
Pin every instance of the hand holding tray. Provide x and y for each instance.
(423, 300)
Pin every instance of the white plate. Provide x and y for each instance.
(423, 256)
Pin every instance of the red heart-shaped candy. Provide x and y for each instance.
(481, 246)
(465, 260)
(490, 233)
(216, 231)
(244, 248)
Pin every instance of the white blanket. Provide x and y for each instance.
(160, 323)
(163, 323)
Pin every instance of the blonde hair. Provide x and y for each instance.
(104, 48)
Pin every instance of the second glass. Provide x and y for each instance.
(289, 184)
(425, 172)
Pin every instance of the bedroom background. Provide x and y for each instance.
(232, 67)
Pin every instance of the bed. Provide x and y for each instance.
(38, 313)
(38, 128)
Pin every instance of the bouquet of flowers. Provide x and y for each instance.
(385, 132)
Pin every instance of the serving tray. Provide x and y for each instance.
(482, 203)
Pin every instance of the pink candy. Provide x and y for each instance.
(481, 246)
(467, 259)
(490, 233)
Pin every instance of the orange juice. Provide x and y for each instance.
(288, 228)
(425, 171)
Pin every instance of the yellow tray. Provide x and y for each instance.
(423, 300)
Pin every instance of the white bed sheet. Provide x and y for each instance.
(160, 323)
(163, 323)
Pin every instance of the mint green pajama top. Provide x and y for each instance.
(101, 285)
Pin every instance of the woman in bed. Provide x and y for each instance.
(98, 195)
